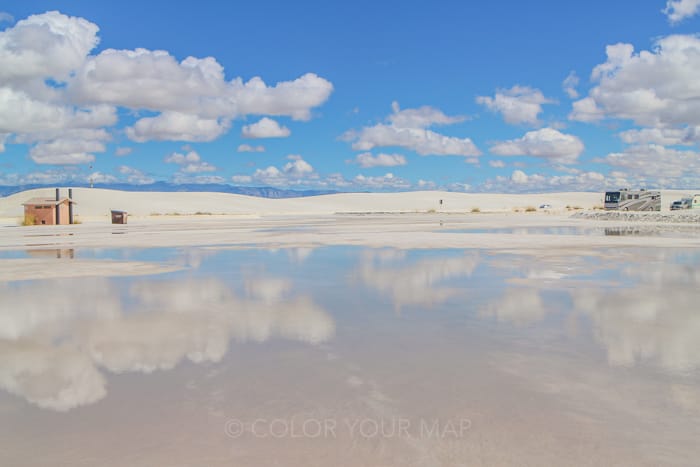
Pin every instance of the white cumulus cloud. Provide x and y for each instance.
(49, 45)
(569, 85)
(265, 128)
(297, 167)
(661, 166)
(51, 84)
(678, 10)
(519, 177)
(134, 175)
(198, 167)
(422, 117)
(656, 88)
(288, 98)
(155, 80)
(386, 181)
(663, 136)
(190, 163)
(546, 143)
(270, 174)
(249, 148)
(20, 113)
(367, 160)
(522, 182)
(518, 105)
(176, 126)
(66, 152)
(407, 129)
(178, 158)
(100, 177)
(424, 142)
(295, 172)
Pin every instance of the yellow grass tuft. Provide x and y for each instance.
(29, 219)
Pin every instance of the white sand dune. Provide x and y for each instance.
(93, 202)
(339, 219)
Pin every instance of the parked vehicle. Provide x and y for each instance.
(633, 200)
(685, 203)
(695, 203)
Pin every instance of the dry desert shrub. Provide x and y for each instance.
(29, 219)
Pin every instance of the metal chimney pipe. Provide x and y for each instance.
(58, 206)
(70, 205)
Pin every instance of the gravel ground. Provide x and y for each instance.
(682, 216)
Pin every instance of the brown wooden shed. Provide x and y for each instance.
(47, 211)
(119, 217)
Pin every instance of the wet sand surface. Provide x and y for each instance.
(539, 231)
(322, 343)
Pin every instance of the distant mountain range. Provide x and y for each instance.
(262, 192)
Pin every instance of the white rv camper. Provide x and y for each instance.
(695, 204)
(633, 200)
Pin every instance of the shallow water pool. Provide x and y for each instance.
(354, 356)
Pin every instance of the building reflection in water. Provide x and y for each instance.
(65, 253)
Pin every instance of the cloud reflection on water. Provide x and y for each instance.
(644, 311)
(52, 349)
(646, 323)
(418, 283)
(58, 337)
(518, 305)
(640, 308)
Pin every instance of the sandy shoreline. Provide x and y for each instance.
(504, 232)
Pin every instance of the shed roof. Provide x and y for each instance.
(35, 201)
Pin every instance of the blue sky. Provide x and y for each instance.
(364, 96)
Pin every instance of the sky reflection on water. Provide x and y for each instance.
(589, 345)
